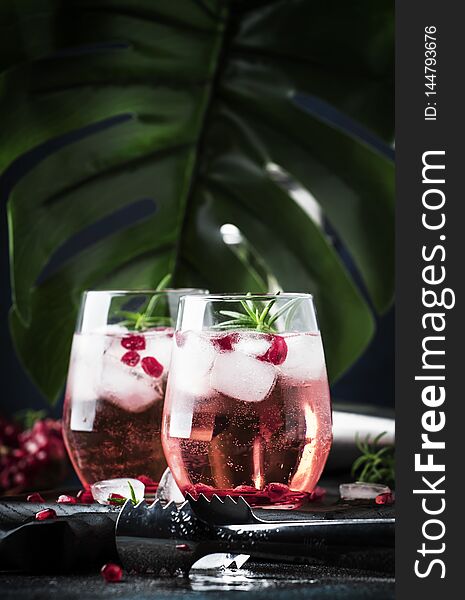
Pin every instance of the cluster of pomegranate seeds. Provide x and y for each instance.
(151, 366)
(130, 358)
(133, 342)
(64, 499)
(35, 497)
(111, 573)
(32, 458)
(386, 498)
(44, 515)
(277, 352)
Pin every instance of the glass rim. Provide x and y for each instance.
(144, 291)
(238, 297)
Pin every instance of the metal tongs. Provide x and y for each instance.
(170, 540)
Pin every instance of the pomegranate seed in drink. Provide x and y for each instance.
(112, 573)
(152, 367)
(130, 358)
(133, 342)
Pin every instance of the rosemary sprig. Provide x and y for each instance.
(254, 316)
(145, 319)
(375, 464)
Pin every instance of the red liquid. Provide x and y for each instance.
(112, 413)
(270, 451)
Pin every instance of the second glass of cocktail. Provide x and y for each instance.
(247, 409)
(119, 364)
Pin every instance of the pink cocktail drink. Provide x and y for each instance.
(114, 403)
(248, 413)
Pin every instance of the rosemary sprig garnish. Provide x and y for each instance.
(254, 316)
(142, 320)
(374, 465)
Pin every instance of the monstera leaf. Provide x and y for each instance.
(142, 127)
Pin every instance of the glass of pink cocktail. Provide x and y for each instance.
(120, 359)
(247, 409)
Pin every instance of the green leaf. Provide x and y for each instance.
(186, 104)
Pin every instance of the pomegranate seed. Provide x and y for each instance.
(114, 499)
(64, 499)
(277, 352)
(182, 547)
(225, 342)
(133, 342)
(85, 497)
(111, 573)
(35, 497)
(180, 338)
(151, 366)
(48, 513)
(386, 498)
(130, 358)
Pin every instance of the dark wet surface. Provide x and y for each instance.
(254, 581)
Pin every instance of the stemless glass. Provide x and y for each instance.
(119, 363)
(247, 409)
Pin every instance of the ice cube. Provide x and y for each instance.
(159, 345)
(191, 364)
(242, 377)
(168, 490)
(305, 358)
(129, 388)
(253, 344)
(101, 490)
(362, 491)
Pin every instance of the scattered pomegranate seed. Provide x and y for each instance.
(111, 573)
(226, 342)
(130, 358)
(85, 497)
(64, 499)
(386, 498)
(182, 547)
(48, 513)
(151, 366)
(277, 352)
(133, 342)
(180, 338)
(35, 497)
